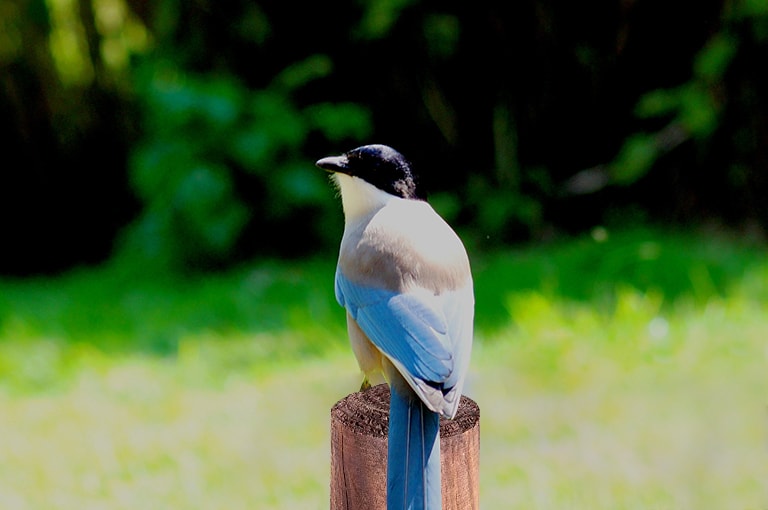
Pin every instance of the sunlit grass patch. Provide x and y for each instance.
(648, 407)
(599, 387)
(580, 410)
(147, 433)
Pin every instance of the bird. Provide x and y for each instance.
(404, 278)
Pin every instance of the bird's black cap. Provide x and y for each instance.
(379, 165)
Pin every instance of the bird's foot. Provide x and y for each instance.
(366, 385)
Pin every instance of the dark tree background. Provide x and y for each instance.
(184, 132)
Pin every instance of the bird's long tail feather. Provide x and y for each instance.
(413, 460)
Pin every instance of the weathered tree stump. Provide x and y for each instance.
(359, 426)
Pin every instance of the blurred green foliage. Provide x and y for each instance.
(218, 159)
(186, 131)
(694, 108)
(596, 268)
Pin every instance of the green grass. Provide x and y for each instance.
(646, 408)
(622, 373)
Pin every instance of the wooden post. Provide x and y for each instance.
(359, 425)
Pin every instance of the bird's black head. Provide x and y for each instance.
(379, 165)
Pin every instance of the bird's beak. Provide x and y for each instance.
(333, 164)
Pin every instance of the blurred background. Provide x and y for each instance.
(167, 246)
(185, 132)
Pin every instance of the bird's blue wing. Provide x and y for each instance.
(410, 327)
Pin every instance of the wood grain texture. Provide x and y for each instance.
(359, 426)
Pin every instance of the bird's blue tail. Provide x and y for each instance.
(413, 460)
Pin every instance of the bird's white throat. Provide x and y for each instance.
(359, 198)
